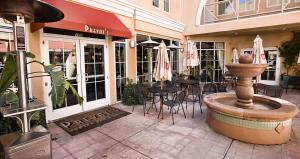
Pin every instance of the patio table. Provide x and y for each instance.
(156, 90)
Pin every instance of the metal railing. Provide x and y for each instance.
(227, 10)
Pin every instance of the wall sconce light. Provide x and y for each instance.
(132, 44)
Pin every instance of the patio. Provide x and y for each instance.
(135, 136)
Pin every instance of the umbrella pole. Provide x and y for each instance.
(161, 99)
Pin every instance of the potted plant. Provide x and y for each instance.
(289, 50)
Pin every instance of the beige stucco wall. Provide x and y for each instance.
(272, 39)
(35, 48)
(175, 8)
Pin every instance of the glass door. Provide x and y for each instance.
(94, 74)
(120, 61)
(64, 53)
(272, 74)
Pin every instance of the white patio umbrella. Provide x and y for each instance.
(259, 54)
(258, 51)
(191, 56)
(162, 69)
(235, 56)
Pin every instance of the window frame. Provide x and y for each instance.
(169, 6)
(123, 62)
(214, 49)
(245, 6)
(274, 5)
(153, 3)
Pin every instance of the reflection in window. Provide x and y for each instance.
(155, 3)
(225, 7)
(211, 68)
(6, 45)
(120, 57)
(167, 5)
(63, 54)
(273, 3)
(146, 58)
(94, 72)
(246, 5)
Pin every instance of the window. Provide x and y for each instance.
(146, 58)
(120, 60)
(6, 45)
(225, 7)
(174, 58)
(273, 3)
(167, 5)
(155, 3)
(246, 5)
(211, 68)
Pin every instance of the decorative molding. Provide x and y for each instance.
(123, 7)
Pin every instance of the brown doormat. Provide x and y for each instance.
(79, 123)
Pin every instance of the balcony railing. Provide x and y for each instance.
(237, 9)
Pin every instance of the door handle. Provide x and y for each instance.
(86, 77)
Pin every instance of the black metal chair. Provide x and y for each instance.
(221, 87)
(274, 91)
(176, 100)
(143, 96)
(194, 94)
(209, 88)
(259, 88)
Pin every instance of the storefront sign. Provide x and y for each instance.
(90, 29)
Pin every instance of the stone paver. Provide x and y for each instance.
(138, 137)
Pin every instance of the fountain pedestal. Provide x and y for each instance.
(244, 92)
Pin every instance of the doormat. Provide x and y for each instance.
(82, 122)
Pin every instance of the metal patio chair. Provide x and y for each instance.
(176, 100)
(194, 94)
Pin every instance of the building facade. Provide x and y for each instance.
(98, 47)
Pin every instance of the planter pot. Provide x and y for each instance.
(285, 80)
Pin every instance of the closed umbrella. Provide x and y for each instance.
(191, 56)
(259, 54)
(162, 69)
(235, 56)
(258, 51)
(298, 61)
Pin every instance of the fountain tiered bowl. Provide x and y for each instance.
(250, 117)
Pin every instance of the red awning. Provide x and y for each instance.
(85, 19)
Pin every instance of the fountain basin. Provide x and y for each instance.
(269, 121)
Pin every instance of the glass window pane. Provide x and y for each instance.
(100, 90)
(90, 91)
(100, 69)
(207, 45)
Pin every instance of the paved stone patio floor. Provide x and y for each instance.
(138, 137)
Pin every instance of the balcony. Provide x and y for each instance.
(228, 10)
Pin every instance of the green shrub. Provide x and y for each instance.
(129, 94)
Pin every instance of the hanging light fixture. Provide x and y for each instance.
(173, 47)
(149, 43)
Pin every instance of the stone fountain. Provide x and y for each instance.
(246, 116)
